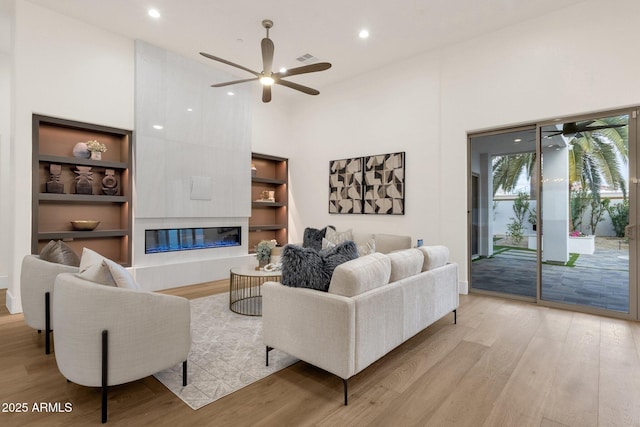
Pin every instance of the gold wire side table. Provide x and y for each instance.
(244, 289)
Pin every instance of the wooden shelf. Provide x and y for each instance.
(54, 141)
(267, 204)
(82, 162)
(80, 198)
(268, 181)
(269, 220)
(63, 235)
(267, 227)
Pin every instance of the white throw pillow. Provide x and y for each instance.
(98, 273)
(89, 259)
(121, 276)
(327, 244)
(337, 237)
(367, 248)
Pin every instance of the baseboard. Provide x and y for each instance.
(13, 304)
(463, 287)
(166, 276)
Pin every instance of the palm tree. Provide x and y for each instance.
(595, 158)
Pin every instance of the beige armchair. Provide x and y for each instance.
(36, 286)
(107, 335)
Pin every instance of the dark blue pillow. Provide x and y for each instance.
(307, 268)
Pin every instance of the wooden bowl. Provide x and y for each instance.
(84, 224)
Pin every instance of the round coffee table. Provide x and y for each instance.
(244, 289)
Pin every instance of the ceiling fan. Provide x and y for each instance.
(267, 77)
(572, 128)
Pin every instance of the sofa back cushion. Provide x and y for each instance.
(405, 264)
(360, 275)
(434, 256)
(60, 253)
(387, 243)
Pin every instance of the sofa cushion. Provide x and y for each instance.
(434, 256)
(387, 243)
(307, 268)
(60, 253)
(312, 237)
(89, 258)
(405, 264)
(360, 275)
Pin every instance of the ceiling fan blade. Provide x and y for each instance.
(297, 86)
(592, 128)
(224, 61)
(267, 56)
(266, 93)
(234, 82)
(311, 68)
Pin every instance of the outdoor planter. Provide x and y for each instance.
(582, 245)
(577, 245)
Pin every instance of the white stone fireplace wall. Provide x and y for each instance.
(192, 164)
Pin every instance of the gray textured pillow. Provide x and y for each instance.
(60, 253)
(306, 268)
(312, 237)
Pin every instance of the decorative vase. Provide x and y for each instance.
(262, 263)
(96, 155)
(81, 151)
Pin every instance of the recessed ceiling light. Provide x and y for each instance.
(189, 109)
(517, 140)
(230, 93)
(364, 33)
(159, 127)
(283, 70)
(154, 13)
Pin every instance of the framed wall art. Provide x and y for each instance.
(345, 186)
(384, 184)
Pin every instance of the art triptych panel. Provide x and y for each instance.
(345, 186)
(370, 185)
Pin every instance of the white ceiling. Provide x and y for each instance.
(327, 29)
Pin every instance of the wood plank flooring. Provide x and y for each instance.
(505, 363)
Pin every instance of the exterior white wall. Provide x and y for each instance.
(62, 68)
(426, 105)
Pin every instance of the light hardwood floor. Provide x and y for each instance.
(505, 363)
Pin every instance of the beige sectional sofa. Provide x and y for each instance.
(374, 303)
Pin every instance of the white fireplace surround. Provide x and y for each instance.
(192, 165)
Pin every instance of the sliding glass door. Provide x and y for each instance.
(553, 213)
(586, 167)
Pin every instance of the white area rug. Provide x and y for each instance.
(226, 355)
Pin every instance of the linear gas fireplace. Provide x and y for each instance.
(185, 239)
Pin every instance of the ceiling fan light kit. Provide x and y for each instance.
(267, 77)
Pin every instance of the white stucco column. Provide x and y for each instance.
(555, 203)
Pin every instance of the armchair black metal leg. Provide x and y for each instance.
(105, 371)
(47, 323)
(455, 316)
(344, 382)
(267, 354)
(184, 373)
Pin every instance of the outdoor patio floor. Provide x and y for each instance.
(600, 280)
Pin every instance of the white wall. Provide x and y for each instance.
(6, 60)
(531, 71)
(63, 68)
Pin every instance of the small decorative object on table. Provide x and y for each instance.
(253, 170)
(55, 186)
(263, 252)
(267, 196)
(96, 148)
(83, 180)
(110, 183)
